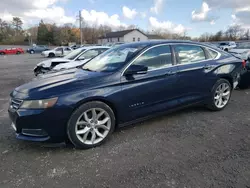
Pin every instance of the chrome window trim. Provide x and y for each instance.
(202, 46)
(127, 66)
(173, 65)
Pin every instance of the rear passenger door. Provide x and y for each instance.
(194, 72)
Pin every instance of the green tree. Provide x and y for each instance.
(17, 24)
(42, 33)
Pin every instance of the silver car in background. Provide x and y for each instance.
(242, 50)
(75, 58)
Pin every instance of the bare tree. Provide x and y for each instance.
(247, 34)
(233, 32)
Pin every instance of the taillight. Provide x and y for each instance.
(244, 63)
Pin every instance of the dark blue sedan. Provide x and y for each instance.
(123, 85)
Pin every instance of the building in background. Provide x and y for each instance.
(132, 35)
(155, 37)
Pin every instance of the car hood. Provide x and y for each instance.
(69, 64)
(58, 83)
(47, 63)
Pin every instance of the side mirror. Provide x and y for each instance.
(136, 69)
(80, 59)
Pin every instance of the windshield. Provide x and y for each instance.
(113, 58)
(72, 55)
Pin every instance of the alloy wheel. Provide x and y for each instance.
(93, 126)
(222, 95)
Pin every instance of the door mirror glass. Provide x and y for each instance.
(136, 69)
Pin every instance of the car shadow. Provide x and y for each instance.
(187, 110)
(55, 147)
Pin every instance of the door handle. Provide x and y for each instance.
(170, 73)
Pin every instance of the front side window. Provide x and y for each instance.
(89, 54)
(72, 55)
(155, 58)
(67, 49)
(58, 49)
(102, 50)
(189, 53)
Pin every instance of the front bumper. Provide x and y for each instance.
(41, 70)
(40, 125)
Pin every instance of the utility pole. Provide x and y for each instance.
(80, 25)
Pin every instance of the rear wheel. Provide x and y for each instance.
(18, 52)
(220, 95)
(90, 125)
(51, 55)
(32, 52)
(2, 53)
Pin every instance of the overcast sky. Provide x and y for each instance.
(193, 16)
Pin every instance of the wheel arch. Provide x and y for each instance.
(229, 79)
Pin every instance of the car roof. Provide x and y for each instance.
(93, 47)
(158, 42)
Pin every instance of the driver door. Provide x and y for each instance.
(58, 51)
(154, 91)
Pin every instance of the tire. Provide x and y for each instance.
(213, 103)
(32, 51)
(51, 55)
(226, 49)
(2, 53)
(17, 53)
(244, 81)
(82, 120)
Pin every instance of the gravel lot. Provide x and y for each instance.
(189, 148)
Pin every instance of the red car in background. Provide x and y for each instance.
(11, 51)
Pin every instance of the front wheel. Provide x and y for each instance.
(17, 53)
(90, 125)
(220, 95)
(51, 55)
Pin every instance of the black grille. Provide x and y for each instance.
(15, 103)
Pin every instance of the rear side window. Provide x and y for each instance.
(213, 54)
(189, 53)
(59, 49)
(155, 58)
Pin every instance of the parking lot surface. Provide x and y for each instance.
(189, 148)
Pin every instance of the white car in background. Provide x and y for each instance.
(74, 59)
(226, 46)
(57, 52)
(242, 50)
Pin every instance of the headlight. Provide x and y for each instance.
(39, 104)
